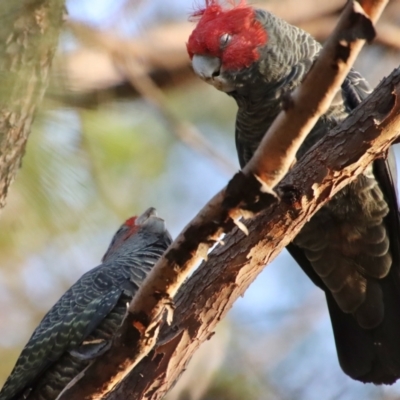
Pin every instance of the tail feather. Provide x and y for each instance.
(367, 355)
(370, 355)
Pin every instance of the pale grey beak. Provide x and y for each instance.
(210, 70)
(151, 221)
(205, 66)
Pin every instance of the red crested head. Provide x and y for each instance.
(233, 35)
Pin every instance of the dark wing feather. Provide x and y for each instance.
(368, 355)
(63, 328)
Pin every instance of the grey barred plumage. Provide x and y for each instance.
(81, 324)
(350, 248)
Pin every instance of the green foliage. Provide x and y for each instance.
(231, 386)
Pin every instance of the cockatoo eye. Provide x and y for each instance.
(224, 40)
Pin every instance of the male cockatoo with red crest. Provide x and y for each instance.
(350, 248)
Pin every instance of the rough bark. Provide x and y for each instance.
(243, 195)
(28, 37)
(209, 294)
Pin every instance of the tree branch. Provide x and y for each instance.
(209, 294)
(243, 196)
(28, 37)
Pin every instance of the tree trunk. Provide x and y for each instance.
(28, 35)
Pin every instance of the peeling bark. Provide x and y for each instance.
(209, 294)
(28, 37)
(243, 196)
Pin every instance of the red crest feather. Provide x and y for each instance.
(247, 34)
(130, 221)
(213, 7)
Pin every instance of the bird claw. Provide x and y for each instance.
(91, 349)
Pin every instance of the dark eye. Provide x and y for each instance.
(224, 39)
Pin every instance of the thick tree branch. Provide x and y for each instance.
(243, 196)
(28, 37)
(209, 294)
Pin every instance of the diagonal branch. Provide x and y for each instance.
(243, 196)
(209, 294)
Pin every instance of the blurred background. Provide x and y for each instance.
(126, 125)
